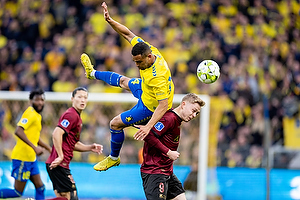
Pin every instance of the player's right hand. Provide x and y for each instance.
(56, 162)
(105, 11)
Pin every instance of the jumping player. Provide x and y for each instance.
(154, 90)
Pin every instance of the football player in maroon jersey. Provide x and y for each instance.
(160, 151)
(66, 140)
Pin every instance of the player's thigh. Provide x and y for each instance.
(36, 180)
(155, 186)
(21, 172)
(62, 179)
(175, 188)
(63, 194)
(139, 114)
(180, 197)
(19, 185)
(35, 175)
(135, 86)
(116, 123)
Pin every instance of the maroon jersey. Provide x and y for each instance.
(71, 123)
(163, 136)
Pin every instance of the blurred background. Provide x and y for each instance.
(254, 118)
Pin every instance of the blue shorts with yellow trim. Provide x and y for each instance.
(22, 170)
(139, 114)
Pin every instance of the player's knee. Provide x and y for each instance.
(180, 197)
(124, 82)
(66, 195)
(116, 123)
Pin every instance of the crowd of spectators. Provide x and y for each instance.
(255, 42)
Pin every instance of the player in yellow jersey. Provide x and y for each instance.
(154, 90)
(24, 162)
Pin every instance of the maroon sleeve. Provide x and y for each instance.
(163, 125)
(66, 122)
(153, 141)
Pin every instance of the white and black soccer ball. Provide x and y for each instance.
(208, 71)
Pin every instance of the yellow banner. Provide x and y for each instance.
(291, 130)
(217, 107)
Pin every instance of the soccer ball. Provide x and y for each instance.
(208, 71)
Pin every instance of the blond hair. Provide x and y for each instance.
(193, 98)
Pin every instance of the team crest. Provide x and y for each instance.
(159, 126)
(162, 196)
(128, 119)
(65, 123)
(176, 139)
(24, 121)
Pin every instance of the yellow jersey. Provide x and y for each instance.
(31, 121)
(157, 83)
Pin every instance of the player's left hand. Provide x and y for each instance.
(142, 132)
(173, 155)
(38, 150)
(97, 148)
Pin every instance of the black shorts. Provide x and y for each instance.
(160, 186)
(61, 178)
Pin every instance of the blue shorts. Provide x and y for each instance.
(139, 114)
(22, 170)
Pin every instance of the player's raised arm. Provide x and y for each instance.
(119, 28)
(157, 115)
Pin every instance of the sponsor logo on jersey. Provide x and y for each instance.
(65, 123)
(160, 93)
(159, 126)
(176, 139)
(24, 121)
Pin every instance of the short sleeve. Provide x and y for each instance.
(26, 120)
(66, 121)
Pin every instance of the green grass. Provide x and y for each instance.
(15, 199)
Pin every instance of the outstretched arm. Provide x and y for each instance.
(119, 28)
(97, 148)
